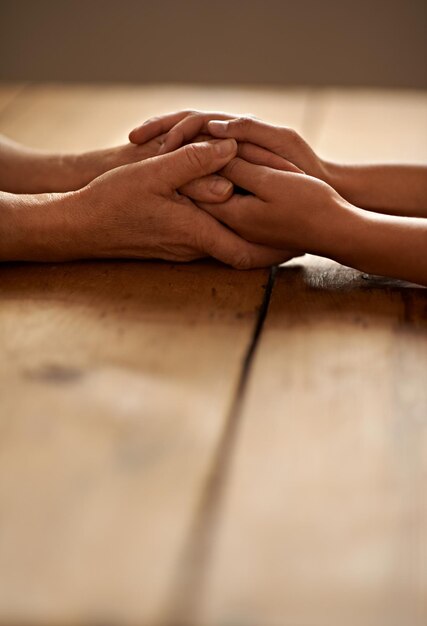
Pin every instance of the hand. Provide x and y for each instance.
(390, 189)
(175, 129)
(287, 210)
(90, 165)
(24, 170)
(210, 188)
(135, 211)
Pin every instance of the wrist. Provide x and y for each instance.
(87, 166)
(348, 237)
(41, 227)
(71, 172)
(351, 183)
(52, 173)
(332, 228)
(75, 171)
(58, 173)
(337, 176)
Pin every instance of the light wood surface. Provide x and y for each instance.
(115, 383)
(116, 389)
(164, 463)
(324, 515)
(324, 519)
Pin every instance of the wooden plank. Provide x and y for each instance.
(115, 387)
(324, 516)
(324, 520)
(115, 383)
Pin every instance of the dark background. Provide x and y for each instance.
(376, 43)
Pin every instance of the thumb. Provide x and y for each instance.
(195, 160)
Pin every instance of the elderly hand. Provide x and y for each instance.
(25, 170)
(90, 165)
(133, 211)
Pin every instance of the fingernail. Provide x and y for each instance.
(218, 126)
(220, 186)
(223, 148)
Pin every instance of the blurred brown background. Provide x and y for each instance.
(366, 43)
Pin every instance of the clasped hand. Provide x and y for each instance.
(372, 217)
(289, 194)
(169, 194)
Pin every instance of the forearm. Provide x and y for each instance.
(380, 244)
(42, 227)
(24, 170)
(390, 189)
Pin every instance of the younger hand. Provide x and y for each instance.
(286, 211)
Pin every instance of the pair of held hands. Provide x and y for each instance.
(176, 207)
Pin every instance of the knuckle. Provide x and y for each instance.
(230, 168)
(190, 112)
(174, 136)
(244, 123)
(292, 135)
(202, 238)
(194, 155)
(151, 120)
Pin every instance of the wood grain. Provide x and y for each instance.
(325, 517)
(323, 520)
(116, 383)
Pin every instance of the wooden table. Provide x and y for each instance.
(196, 446)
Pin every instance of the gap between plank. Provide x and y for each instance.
(189, 585)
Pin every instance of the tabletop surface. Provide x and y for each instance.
(197, 446)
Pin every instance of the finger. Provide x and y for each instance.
(234, 212)
(183, 132)
(228, 247)
(201, 137)
(251, 130)
(156, 126)
(253, 178)
(192, 161)
(187, 129)
(208, 189)
(260, 156)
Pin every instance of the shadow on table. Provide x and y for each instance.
(326, 292)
